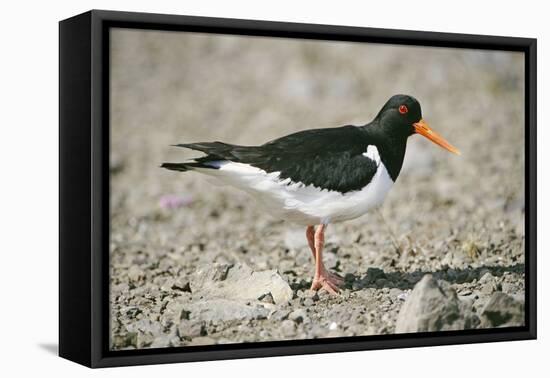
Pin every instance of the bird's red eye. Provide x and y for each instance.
(403, 109)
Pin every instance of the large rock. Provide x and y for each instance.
(434, 306)
(239, 282)
(503, 310)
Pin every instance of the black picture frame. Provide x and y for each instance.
(84, 187)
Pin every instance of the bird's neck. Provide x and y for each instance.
(390, 147)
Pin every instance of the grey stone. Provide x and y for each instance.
(224, 310)
(483, 272)
(308, 302)
(434, 306)
(298, 316)
(279, 314)
(502, 310)
(486, 277)
(239, 282)
(135, 273)
(403, 296)
(144, 325)
(507, 287)
(162, 341)
(374, 274)
(488, 288)
(394, 293)
(266, 298)
(288, 328)
(189, 329)
(129, 339)
(219, 272)
(183, 286)
(312, 294)
(167, 286)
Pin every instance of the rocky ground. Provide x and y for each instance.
(193, 263)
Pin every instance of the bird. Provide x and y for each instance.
(320, 176)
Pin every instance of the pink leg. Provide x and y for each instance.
(323, 279)
(310, 235)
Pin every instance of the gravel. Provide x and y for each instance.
(196, 264)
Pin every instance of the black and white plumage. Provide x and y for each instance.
(319, 176)
(310, 177)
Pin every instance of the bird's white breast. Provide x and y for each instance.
(307, 205)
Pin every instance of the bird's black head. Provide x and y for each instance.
(401, 117)
(399, 114)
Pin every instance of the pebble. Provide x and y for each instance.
(288, 328)
(486, 277)
(190, 329)
(403, 296)
(507, 287)
(308, 302)
(488, 288)
(298, 316)
(135, 273)
(279, 314)
(311, 294)
(394, 293)
(266, 298)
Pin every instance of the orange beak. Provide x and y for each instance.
(424, 129)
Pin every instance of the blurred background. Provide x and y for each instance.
(449, 215)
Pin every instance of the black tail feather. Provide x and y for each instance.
(221, 151)
(215, 151)
(188, 166)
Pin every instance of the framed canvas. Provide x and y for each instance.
(235, 188)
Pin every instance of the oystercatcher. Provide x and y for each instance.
(320, 176)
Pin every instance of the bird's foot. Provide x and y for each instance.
(329, 281)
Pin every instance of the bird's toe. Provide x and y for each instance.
(328, 281)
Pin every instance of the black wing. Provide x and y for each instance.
(326, 158)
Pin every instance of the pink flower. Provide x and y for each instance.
(174, 201)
